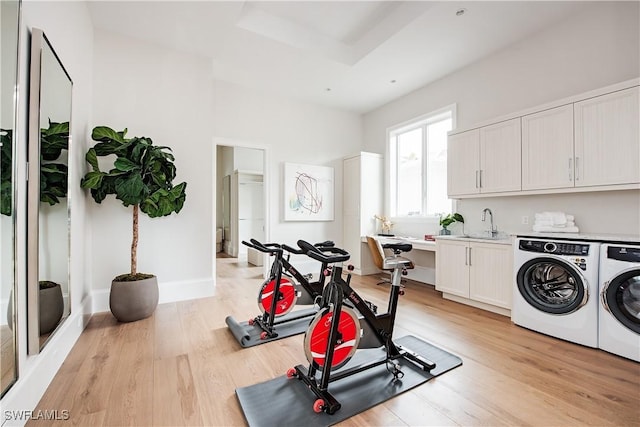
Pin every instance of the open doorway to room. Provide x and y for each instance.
(241, 205)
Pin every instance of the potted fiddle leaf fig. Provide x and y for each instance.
(142, 178)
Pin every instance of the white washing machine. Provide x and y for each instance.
(556, 288)
(619, 315)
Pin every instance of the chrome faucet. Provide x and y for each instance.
(493, 231)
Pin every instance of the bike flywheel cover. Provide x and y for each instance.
(287, 297)
(316, 339)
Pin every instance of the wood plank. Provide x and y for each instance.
(132, 391)
(175, 402)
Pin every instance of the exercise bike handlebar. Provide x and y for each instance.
(268, 248)
(328, 255)
(321, 245)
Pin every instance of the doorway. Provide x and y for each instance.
(241, 202)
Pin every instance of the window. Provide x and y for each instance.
(418, 165)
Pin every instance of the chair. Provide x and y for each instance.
(386, 263)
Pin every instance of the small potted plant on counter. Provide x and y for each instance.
(449, 219)
(142, 177)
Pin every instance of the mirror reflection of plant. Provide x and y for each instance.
(53, 175)
(142, 177)
(6, 163)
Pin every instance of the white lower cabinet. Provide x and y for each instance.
(475, 273)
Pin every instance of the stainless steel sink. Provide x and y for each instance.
(483, 236)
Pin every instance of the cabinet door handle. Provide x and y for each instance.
(570, 174)
(466, 256)
(480, 178)
(469, 257)
(577, 169)
(476, 178)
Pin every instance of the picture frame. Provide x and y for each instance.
(308, 192)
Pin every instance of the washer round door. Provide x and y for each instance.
(621, 297)
(552, 285)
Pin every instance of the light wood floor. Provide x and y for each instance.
(181, 367)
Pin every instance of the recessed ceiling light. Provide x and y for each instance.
(461, 12)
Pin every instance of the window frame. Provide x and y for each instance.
(391, 146)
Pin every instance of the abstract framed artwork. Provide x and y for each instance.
(308, 192)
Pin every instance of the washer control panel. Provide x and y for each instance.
(624, 253)
(556, 248)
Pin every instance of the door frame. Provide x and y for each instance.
(235, 143)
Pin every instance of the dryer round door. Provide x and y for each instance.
(621, 297)
(552, 285)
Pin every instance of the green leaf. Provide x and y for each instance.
(130, 189)
(49, 198)
(104, 133)
(58, 128)
(124, 164)
(92, 180)
(111, 147)
(92, 158)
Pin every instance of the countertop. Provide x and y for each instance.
(501, 240)
(585, 237)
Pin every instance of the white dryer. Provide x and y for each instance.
(619, 311)
(556, 288)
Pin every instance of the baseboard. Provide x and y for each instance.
(169, 292)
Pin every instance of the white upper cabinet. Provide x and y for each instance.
(500, 151)
(484, 160)
(547, 149)
(589, 142)
(607, 141)
(463, 160)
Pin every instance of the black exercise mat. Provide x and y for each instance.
(249, 335)
(287, 402)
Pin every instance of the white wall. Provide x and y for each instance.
(292, 132)
(68, 27)
(593, 49)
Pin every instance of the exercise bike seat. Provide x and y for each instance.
(388, 263)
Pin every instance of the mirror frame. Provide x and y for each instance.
(13, 299)
(38, 42)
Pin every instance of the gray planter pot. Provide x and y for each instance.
(51, 305)
(131, 301)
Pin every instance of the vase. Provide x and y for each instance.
(445, 232)
(135, 300)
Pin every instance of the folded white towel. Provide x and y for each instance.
(545, 222)
(567, 224)
(547, 229)
(553, 218)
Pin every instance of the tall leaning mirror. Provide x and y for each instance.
(10, 24)
(48, 294)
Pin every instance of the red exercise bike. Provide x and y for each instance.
(338, 330)
(285, 288)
